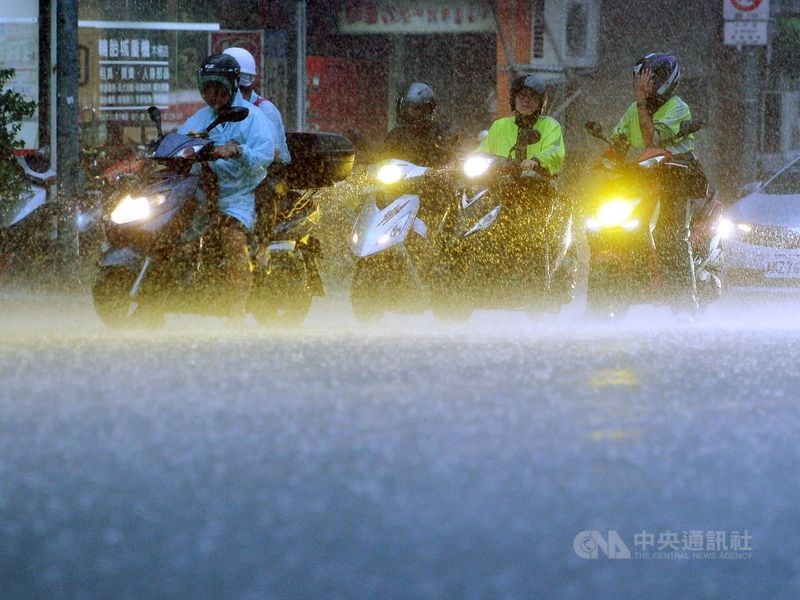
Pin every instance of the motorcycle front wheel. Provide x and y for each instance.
(111, 296)
(605, 294)
(281, 296)
(371, 277)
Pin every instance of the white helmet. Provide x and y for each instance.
(247, 65)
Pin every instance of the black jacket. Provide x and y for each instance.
(431, 145)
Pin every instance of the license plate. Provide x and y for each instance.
(784, 267)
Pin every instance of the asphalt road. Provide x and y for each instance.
(402, 460)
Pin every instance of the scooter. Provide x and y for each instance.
(507, 242)
(391, 242)
(624, 209)
(159, 242)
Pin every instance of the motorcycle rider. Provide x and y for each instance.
(528, 99)
(243, 152)
(653, 120)
(247, 76)
(508, 137)
(274, 188)
(420, 138)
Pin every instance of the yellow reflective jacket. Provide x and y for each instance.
(667, 121)
(549, 150)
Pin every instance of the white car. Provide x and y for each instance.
(761, 235)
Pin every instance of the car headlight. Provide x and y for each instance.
(614, 213)
(726, 227)
(475, 166)
(390, 173)
(137, 208)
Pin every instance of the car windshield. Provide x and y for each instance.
(786, 181)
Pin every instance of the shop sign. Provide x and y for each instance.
(430, 16)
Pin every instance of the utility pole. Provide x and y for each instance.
(746, 27)
(301, 64)
(752, 86)
(67, 136)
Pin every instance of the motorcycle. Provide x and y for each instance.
(159, 242)
(391, 241)
(108, 174)
(624, 267)
(507, 243)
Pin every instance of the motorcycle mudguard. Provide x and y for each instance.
(28, 202)
(376, 230)
(122, 257)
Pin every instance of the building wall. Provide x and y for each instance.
(711, 81)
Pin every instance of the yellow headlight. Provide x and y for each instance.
(615, 212)
(389, 174)
(475, 166)
(132, 209)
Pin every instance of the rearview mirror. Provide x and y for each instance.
(748, 188)
(594, 129)
(155, 116)
(230, 115)
(690, 126)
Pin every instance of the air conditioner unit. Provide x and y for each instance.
(564, 34)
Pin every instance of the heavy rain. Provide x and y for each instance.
(511, 314)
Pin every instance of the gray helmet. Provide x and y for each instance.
(221, 68)
(417, 104)
(528, 82)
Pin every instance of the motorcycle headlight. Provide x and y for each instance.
(389, 174)
(475, 166)
(614, 213)
(137, 208)
(726, 228)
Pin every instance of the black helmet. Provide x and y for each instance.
(221, 68)
(666, 74)
(418, 103)
(529, 82)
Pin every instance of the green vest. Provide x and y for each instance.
(667, 121)
(549, 150)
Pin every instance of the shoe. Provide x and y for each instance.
(262, 258)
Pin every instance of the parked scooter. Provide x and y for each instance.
(159, 259)
(624, 267)
(392, 242)
(28, 222)
(507, 243)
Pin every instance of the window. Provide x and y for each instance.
(538, 29)
(577, 25)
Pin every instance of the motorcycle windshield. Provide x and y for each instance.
(173, 144)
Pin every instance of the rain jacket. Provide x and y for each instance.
(274, 116)
(429, 145)
(549, 150)
(238, 177)
(667, 121)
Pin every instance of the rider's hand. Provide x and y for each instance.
(228, 150)
(643, 85)
(529, 164)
